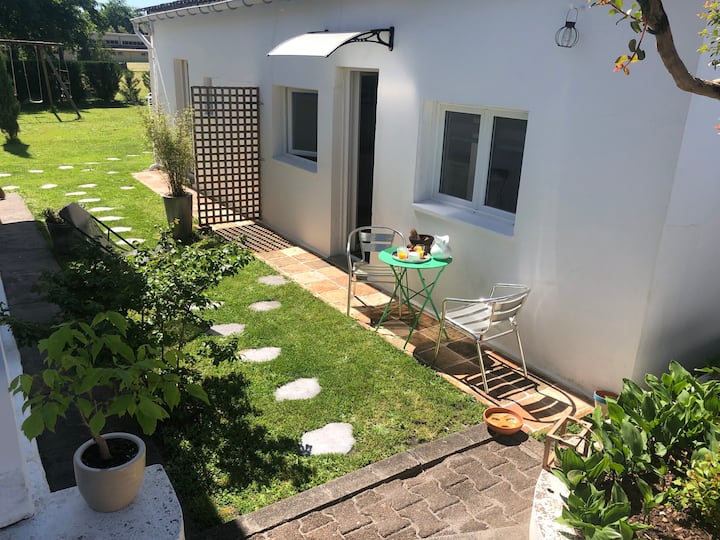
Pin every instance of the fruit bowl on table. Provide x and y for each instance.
(502, 421)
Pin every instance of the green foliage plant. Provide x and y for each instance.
(92, 368)
(130, 88)
(9, 105)
(699, 490)
(647, 433)
(171, 137)
(104, 78)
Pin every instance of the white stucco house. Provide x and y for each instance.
(597, 190)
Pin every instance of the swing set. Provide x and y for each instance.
(44, 57)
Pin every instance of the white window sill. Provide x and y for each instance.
(461, 215)
(296, 161)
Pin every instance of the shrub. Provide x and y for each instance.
(130, 88)
(9, 105)
(699, 490)
(104, 79)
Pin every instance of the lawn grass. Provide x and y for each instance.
(242, 452)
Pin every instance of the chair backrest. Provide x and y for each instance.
(506, 300)
(92, 228)
(372, 239)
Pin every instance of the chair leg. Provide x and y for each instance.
(350, 294)
(482, 365)
(437, 343)
(522, 354)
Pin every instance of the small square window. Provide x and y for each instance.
(302, 113)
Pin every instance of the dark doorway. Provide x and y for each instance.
(366, 148)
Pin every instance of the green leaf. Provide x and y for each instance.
(121, 405)
(84, 406)
(632, 45)
(171, 394)
(631, 436)
(97, 423)
(33, 425)
(196, 391)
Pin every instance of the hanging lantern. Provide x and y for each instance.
(567, 35)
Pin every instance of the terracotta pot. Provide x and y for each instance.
(600, 397)
(178, 211)
(112, 489)
(502, 421)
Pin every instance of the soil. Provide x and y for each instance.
(667, 523)
(121, 451)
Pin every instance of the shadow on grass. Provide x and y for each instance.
(17, 148)
(206, 446)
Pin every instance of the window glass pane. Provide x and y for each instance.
(460, 140)
(506, 153)
(304, 123)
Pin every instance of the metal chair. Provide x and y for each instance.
(363, 265)
(479, 318)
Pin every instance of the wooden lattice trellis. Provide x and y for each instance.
(227, 153)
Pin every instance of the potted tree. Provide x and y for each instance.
(172, 140)
(92, 368)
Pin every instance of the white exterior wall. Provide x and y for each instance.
(599, 172)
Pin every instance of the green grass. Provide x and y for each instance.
(242, 452)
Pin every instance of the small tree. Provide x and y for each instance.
(9, 105)
(172, 140)
(130, 88)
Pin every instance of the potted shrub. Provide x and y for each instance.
(92, 368)
(172, 140)
(61, 233)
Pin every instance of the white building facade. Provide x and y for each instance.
(542, 165)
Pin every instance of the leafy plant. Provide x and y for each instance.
(172, 141)
(130, 88)
(9, 105)
(92, 368)
(51, 216)
(699, 490)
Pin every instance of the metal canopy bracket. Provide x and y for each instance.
(325, 43)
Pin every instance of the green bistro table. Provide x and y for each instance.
(402, 289)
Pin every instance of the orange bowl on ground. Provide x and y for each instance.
(502, 421)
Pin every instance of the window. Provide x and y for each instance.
(481, 160)
(302, 113)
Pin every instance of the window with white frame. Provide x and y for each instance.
(302, 115)
(481, 158)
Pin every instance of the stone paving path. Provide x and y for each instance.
(467, 485)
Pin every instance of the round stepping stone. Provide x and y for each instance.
(268, 305)
(76, 193)
(112, 172)
(92, 163)
(272, 280)
(65, 167)
(125, 188)
(11, 188)
(100, 208)
(87, 186)
(48, 186)
(334, 438)
(264, 354)
(112, 159)
(133, 155)
(130, 241)
(120, 229)
(4, 174)
(298, 389)
(110, 218)
(86, 170)
(227, 329)
(36, 171)
(89, 200)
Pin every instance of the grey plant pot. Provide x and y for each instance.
(110, 490)
(62, 236)
(179, 215)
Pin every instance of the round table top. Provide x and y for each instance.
(386, 256)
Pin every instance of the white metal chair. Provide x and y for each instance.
(479, 318)
(363, 245)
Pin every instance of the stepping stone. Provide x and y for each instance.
(334, 438)
(265, 306)
(125, 188)
(65, 167)
(133, 155)
(92, 163)
(112, 159)
(110, 218)
(264, 354)
(76, 193)
(4, 174)
(130, 241)
(101, 208)
(86, 170)
(11, 188)
(112, 172)
(36, 171)
(89, 200)
(298, 389)
(227, 329)
(120, 229)
(48, 186)
(272, 280)
(87, 186)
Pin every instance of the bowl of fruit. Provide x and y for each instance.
(502, 421)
